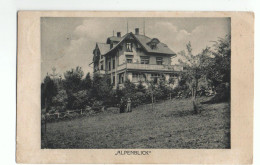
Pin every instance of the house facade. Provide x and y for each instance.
(135, 57)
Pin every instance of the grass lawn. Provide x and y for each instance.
(171, 124)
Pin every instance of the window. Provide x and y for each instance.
(129, 60)
(101, 66)
(113, 80)
(121, 78)
(114, 63)
(153, 45)
(129, 47)
(155, 77)
(159, 60)
(144, 60)
(136, 77)
(174, 75)
(109, 65)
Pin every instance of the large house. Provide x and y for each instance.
(135, 57)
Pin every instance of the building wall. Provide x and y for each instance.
(137, 54)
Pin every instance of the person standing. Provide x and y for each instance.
(122, 106)
(128, 107)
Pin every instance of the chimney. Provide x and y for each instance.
(118, 34)
(136, 31)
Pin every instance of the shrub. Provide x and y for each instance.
(60, 101)
(223, 93)
(97, 106)
(80, 99)
(138, 99)
(140, 87)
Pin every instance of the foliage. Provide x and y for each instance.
(101, 87)
(87, 82)
(73, 80)
(49, 89)
(97, 106)
(140, 87)
(194, 70)
(219, 70)
(80, 99)
(60, 101)
(209, 70)
(171, 80)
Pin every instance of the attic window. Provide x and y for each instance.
(153, 43)
(129, 47)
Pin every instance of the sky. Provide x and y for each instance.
(69, 42)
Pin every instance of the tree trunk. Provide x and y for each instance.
(194, 101)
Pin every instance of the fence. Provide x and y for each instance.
(89, 111)
(66, 114)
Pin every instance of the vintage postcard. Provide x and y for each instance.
(135, 87)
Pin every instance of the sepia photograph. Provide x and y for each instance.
(135, 82)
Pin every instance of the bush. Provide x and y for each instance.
(138, 99)
(181, 91)
(223, 93)
(97, 106)
(80, 99)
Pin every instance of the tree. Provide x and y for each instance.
(73, 80)
(60, 101)
(49, 89)
(81, 99)
(218, 69)
(222, 53)
(151, 91)
(87, 82)
(194, 70)
(72, 84)
(102, 89)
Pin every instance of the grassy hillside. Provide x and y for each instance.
(171, 124)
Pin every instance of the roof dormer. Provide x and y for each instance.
(153, 43)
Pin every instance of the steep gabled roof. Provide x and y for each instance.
(103, 48)
(143, 40)
(114, 38)
(160, 48)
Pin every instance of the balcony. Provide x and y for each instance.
(149, 67)
(100, 72)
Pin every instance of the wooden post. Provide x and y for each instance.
(152, 101)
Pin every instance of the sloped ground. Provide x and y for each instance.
(171, 124)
